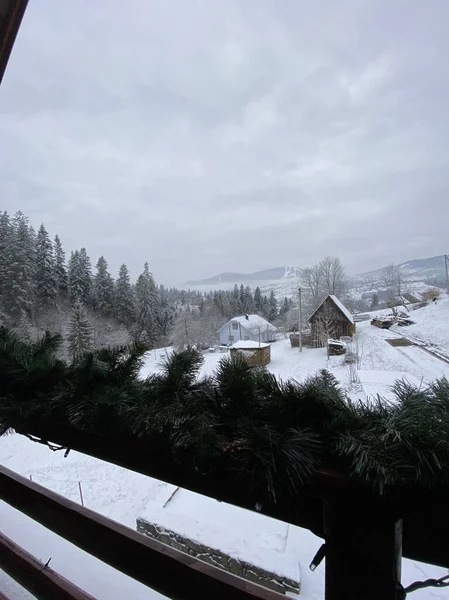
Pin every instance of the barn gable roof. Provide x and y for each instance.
(341, 307)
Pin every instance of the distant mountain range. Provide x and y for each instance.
(425, 269)
(277, 273)
(430, 270)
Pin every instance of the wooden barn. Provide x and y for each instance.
(330, 320)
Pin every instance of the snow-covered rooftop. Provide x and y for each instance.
(342, 307)
(248, 344)
(252, 322)
(338, 304)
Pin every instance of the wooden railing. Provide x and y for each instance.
(164, 569)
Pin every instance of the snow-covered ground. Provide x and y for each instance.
(123, 495)
(431, 325)
(379, 364)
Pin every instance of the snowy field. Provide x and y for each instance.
(379, 363)
(123, 495)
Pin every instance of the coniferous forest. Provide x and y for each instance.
(45, 288)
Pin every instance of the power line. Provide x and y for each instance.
(446, 261)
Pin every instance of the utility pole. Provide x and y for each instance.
(446, 261)
(300, 318)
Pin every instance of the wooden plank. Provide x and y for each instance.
(166, 570)
(11, 14)
(39, 579)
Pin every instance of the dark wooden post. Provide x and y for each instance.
(363, 548)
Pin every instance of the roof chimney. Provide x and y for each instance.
(246, 317)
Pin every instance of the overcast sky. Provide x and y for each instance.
(213, 135)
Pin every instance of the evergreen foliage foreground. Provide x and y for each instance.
(241, 422)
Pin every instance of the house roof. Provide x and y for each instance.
(248, 344)
(252, 322)
(341, 307)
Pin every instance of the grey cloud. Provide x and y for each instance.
(209, 136)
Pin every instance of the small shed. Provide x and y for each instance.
(330, 320)
(305, 339)
(255, 354)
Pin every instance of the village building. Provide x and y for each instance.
(247, 327)
(331, 320)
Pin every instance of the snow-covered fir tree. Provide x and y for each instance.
(286, 306)
(272, 307)
(258, 300)
(86, 270)
(6, 240)
(103, 289)
(18, 290)
(60, 267)
(236, 305)
(79, 277)
(146, 327)
(248, 301)
(124, 298)
(45, 274)
(166, 312)
(80, 336)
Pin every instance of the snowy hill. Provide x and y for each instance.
(431, 327)
(417, 275)
(247, 278)
(423, 270)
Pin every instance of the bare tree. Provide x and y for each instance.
(192, 329)
(324, 328)
(333, 275)
(312, 281)
(326, 277)
(391, 278)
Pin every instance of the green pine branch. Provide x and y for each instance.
(241, 422)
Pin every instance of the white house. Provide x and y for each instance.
(247, 327)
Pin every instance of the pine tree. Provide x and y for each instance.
(124, 298)
(285, 307)
(45, 274)
(79, 277)
(146, 328)
(272, 307)
(258, 300)
(166, 316)
(242, 297)
(248, 301)
(60, 268)
(219, 303)
(236, 307)
(80, 332)
(86, 270)
(6, 240)
(18, 290)
(201, 307)
(103, 289)
(265, 310)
